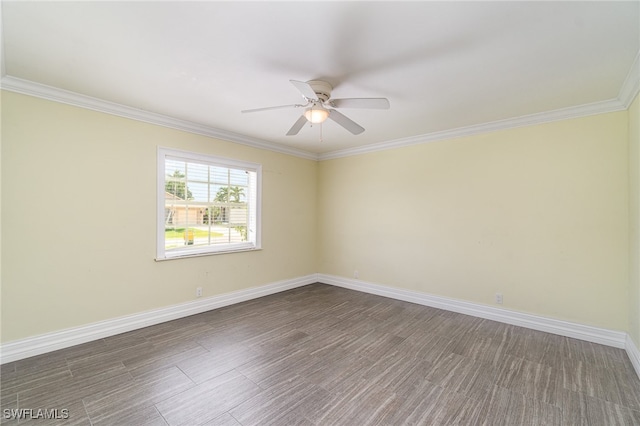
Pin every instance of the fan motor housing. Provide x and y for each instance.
(321, 88)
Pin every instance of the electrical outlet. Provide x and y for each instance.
(499, 298)
(198, 291)
(356, 274)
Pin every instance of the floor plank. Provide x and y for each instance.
(208, 400)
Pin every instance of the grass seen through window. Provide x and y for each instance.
(198, 233)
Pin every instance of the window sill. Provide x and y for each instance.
(212, 253)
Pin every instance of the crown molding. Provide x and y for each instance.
(627, 94)
(526, 120)
(50, 93)
(631, 85)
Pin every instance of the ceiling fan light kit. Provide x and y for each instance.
(319, 106)
(316, 114)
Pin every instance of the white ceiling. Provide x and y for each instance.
(442, 65)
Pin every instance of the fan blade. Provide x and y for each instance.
(345, 122)
(273, 107)
(306, 89)
(297, 126)
(371, 103)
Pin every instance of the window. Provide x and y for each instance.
(206, 204)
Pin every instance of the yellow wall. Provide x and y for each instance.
(79, 219)
(634, 222)
(538, 213)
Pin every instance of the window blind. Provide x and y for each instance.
(208, 204)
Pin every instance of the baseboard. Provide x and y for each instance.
(613, 338)
(634, 354)
(24, 348)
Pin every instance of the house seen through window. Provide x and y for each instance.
(206, 204)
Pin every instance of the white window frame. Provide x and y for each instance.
(255, 242)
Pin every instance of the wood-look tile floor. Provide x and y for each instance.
(322, 355)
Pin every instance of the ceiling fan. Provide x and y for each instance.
(319, 106)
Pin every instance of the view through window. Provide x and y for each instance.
(206, 204)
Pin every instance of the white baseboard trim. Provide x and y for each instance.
(31, 346)
(37, 345)
(603, 336)
(634, 354)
